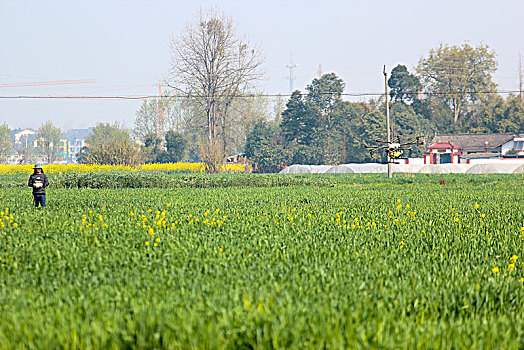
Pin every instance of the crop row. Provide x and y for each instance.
(296, 267)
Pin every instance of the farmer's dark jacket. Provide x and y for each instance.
(38, 178)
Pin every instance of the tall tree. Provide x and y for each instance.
(264, 150)
(404, 85)
(6, 144)
(323, 99)
(298, 124)
(48, 142)
(213, 65)
(176, 146)
(458, 76)
(110, 144)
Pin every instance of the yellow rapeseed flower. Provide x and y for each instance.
(156, 244)
(398, 200)
(482, 216)
(457, 219)
(521, 280)
(146, 244)
(15, 225)
(151, 231)
(495, 270)
(511, 267)
(157, 239)
(513, 259)
(399, 206)
(476, 206)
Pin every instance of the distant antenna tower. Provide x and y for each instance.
(521, 94)
(292, 76)
(319, 71)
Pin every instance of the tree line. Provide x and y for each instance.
(211, 108)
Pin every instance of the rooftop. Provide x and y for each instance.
(476, 140)
(443, 145)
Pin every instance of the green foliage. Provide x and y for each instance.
(6, 143)
(298, 122)
(261, 136)
(404, 85)
(301, 267)
(454, 75)
(176, 146)
(264, 150)
(160, 180)
(110, 144)
(48, 141)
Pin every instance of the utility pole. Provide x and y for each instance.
(292, 76)
(520, 78)
(387, 117)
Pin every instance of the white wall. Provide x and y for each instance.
(495, 161)
(507, 146)
(416, 161)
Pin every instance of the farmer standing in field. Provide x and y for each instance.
(38, 181)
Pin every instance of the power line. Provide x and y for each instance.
(348, 94)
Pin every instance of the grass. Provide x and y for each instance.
(266, 267)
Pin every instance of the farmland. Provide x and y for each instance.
(278, 262)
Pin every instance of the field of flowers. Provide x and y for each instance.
(16, 169)
(369, 264)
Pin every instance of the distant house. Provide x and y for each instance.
(22, 136)
(442, 153)
(71, 143)
(466, 147)
(23, 142)
(74, 140)
(236, 158)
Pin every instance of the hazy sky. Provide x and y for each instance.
(124, 46)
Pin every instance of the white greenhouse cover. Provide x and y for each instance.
(519, 170)
(305, 169)
(340, 169)
(494, 168)
(488, 168)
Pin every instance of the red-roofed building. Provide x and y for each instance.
(467, 147)
(442, 153)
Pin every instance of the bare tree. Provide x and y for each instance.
(49, 141)
(146, 120)
(211, 65)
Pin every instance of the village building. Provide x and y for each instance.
(468, 148)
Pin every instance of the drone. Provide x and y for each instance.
(395, 150)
